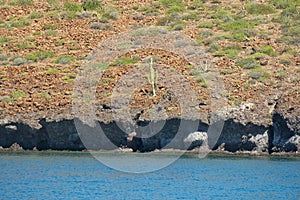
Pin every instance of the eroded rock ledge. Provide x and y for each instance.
(280, 136)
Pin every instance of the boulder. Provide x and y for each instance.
(196, 140)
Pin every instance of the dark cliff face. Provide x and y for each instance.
(64, 135)
(238, 137)
(284, 138)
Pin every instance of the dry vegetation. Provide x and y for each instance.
(43, 43)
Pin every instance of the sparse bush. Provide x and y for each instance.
(237, 25)
(259, 9)
(101, 26)
(124, 61)
(206, 33)
(18, 94)
(49, 26)
(285, 62)
(178, 26)
(282, 4)
(111, 13)
(149, 11)
(21, 3)
(163, 21)
(214, 47)
(231, 51)
(19, 23)
(175, 9)
(259, 74)
(169, 3)
(206, 24)
(138, 17)
(51, 32)
(25, 46)
(267, 50)
(40, 55)
(258, 55)
(64, 59)
(92, 5)
(191, 16)
(4, 39)
(195, 5)
(69, 78)
(36, 15)
(53, 70)
(72, 7)
(247, 63)
(281, 74)
(19, 61)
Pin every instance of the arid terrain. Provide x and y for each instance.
(253, 46)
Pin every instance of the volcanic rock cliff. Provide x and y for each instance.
(225, 75)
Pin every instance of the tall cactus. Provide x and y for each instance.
(153, 78)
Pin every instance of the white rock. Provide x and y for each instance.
(196, 136)
(12, 127)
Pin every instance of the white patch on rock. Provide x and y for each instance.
(261, 141)
(195, 137)
(131, 136)
(246, 106)
(295, 140)
(12, 127)
(202, 136)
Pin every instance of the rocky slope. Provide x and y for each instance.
(245, 82)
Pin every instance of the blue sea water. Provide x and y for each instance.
(81, 176)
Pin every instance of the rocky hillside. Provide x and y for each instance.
(249, 49)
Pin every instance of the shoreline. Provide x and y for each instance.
(158, 152)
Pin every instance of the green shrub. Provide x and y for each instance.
(40, 55)
(92, 5)
(206, 33)
(259, 74)
(36, 15)
(191, 16)
(214, 47)
(99, 66)
(195, 5)
(64, 59)
(18, 94)
(258, 55)
(4, 39)
(282, 4)
(175, 9)
(111, 13)
(206, 24)
(51, 32)
(237, 25)
(164, 21)
(19, 61)
(238, 36)
(21, 3)
(124, 61)
(169, 3)
(49, 26)
(231, 51)
(72, 7)
(178, 26)
(69, 78)
(285, 62)
(259, 9)
(247, 63)
(19, 23)
(53, 70)
(25, 46)
(222, 14)
(267, 50)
